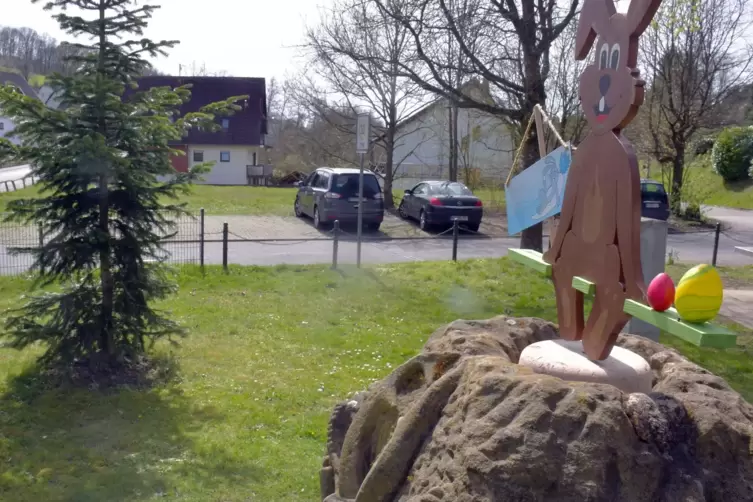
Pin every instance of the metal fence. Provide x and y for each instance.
(197, 239)
(182, 244)
(190, 241)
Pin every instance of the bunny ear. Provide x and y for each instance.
(594, 18)
(639, 15)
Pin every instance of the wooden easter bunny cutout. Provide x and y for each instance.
(598, 236)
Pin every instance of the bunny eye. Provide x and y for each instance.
(615, 57)
(603, 56)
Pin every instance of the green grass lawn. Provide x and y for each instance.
(717, 191)
(216, 200)
(708, 186)
(270, 351)
(242, 200)
(24, 193)
(223, 200)
(732, 277)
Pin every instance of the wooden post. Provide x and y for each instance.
(201, 239)
(224, 245)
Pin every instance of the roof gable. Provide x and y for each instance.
(474, 88)
(19, 81)
(246, 127)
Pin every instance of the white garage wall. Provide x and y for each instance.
(7, 129)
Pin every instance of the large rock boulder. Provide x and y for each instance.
(462, 422)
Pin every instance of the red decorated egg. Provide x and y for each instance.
(661, 292)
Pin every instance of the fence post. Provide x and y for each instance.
(23, 180)
(7, 188)
(455, 240)
(14, 185)
(716, 243)
(224, 246)
(201, 238)
(41, 235)
(335, 243)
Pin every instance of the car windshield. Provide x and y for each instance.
(451, 189)
(652, 188)
(347, 185)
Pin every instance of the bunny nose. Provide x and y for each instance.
(604, 82)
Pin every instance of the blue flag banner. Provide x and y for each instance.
(537, 193)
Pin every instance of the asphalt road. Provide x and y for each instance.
(686, 248)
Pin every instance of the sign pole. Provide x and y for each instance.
(360, 215)
(362, 147)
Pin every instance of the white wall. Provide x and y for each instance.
(45, 94)
(7, 128)
(422, 146)
(224, 173)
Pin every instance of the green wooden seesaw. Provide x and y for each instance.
(701, 334)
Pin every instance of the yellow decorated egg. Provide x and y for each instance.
(699, 294)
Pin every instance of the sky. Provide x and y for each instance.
(245, 38)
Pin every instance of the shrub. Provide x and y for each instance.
(704, 145)
(732, 153)
(693, 213)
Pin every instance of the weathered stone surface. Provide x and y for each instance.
(462, 422)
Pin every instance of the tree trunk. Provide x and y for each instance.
(105, 271)
(532, 237)
(678, 170)
(389, 174)
(107, 348)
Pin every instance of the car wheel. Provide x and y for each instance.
(401, 211)
(473, 227)
(373, 227)
(423, 223)
(317, 218)
(297, 208)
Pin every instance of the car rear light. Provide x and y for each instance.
(435, 202)
(331, 195)
(479, 203)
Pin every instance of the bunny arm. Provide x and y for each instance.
(567, 212)
(628, 237)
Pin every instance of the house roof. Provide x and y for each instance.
(246, 126)
(19, 81)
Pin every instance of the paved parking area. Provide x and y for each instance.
(282, 227)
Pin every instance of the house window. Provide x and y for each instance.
(224, 156)
(226, 124)
(253, 159)
(198, 156)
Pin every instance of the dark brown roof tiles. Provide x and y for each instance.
(245, 127)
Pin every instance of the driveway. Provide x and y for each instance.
(285, 227)
(738, 220)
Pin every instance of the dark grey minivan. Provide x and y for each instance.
(330, 194)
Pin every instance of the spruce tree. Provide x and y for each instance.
(99, 159)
